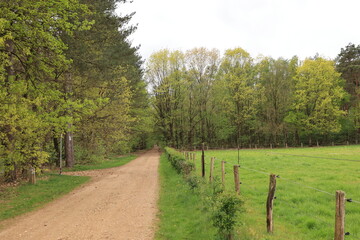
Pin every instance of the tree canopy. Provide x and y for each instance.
(68, 69)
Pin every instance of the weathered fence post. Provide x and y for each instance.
(270, 145)
(340, 216)
(32, 177)
(302, 145)
(211, 177)
(203, 161)
(236, 179)
(223, 173)
(269, 203)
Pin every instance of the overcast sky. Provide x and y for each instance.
(276, 28)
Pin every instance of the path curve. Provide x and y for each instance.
(118, 203)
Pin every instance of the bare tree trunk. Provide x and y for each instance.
(69, 140)
(69, 149)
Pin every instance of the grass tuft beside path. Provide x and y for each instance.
(24, 198)
(182, 215)
(108, 163)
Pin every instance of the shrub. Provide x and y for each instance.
(227, 206)
(179, 162)
(193, 181)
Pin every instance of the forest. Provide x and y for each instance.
(70, 82)
(73, 85)
(236, 100)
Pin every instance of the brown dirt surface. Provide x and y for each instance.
(118, 203)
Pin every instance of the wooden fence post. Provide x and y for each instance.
(203, 161)
(223, 173)
(236, 179)
(32, 178)
(269, 203)
(302, 145)
(270, 145)
(340, 216)
(211, 177)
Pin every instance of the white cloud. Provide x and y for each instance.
(269, 27)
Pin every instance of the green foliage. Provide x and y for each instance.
(318, 97)
(179, 162)
(32, 55)
(241, 101)
(67, 66)
(227, 207)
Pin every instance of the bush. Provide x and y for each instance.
(193, 181)
(227, 206)
(179, 162)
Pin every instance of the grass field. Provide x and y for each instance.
(181, 211)
(304, 207)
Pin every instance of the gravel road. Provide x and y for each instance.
(118, 203)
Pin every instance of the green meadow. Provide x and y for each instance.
(304, 207)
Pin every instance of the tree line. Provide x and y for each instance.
(237, 100)
(69, 77)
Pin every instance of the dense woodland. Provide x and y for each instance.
(70, 80)
(237, 100)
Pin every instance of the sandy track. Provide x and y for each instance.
(118, 203)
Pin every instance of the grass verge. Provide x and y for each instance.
(182, 215)
(107, 163)
(26, 197)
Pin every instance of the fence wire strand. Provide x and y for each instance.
(250, 169)
(351, 236)
(306, 215)
(309, 187)
(337, 159)
(294, 182)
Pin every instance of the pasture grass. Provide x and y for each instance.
(26, 197)
(181, 211)
(304, 207)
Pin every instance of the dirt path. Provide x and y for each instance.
(118, 203)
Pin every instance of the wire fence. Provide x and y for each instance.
(354, 234)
